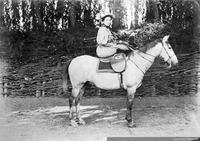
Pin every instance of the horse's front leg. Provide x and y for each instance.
(129, 104)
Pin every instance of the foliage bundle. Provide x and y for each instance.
(181, 39)
(144, 34)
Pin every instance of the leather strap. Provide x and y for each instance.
(121, 80)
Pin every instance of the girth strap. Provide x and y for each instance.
(121, 83)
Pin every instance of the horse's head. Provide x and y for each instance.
(167, 53)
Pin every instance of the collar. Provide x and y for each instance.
(106, 26)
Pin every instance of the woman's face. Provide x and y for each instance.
(107, 21)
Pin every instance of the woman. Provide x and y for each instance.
(107, 44)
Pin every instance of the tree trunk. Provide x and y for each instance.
(136, 12)
(141, 11)
(2, 27)
(155, 10)
(1, 14)
(72, 14)
(37, 10)
(130, 12)
(197, 20)
(116, 11)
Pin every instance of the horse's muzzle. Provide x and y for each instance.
(172, 61)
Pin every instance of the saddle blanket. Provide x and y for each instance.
(104, 67)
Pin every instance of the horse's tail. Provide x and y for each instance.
(66, 75)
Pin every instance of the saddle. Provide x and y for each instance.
(113, 64)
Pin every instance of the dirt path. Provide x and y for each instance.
(45, 119)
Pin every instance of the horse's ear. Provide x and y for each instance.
(165, 38)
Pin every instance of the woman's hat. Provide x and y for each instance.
(104, 15)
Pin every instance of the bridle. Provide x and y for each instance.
(153, 57)
(167, 53)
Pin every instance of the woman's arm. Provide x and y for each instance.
(102, 36)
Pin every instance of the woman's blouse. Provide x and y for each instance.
(104, 36)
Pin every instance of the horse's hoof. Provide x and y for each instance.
(128, 119)
(81, 122)
(73, 123)
(131, 124)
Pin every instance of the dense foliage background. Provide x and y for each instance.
(41, 28)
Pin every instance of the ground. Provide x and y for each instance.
(46, 119)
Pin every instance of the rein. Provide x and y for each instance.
(146, 58)
(136, 65)
(143, 58)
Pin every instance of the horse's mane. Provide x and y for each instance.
(150, 45)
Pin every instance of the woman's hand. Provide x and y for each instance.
(122, 42)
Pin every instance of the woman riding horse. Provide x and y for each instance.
(83, 69)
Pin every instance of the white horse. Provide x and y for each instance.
(84, 68)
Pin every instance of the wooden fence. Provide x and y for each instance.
(45, 79)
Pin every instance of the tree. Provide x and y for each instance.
(135, 11)
(72, 14)
(196, 19)
(37, 11)
(130, 13)
(2, 25)
(1, 14)
(155, 10)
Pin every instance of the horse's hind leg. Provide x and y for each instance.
(71, 106)
(74, 100)
(77, 104)
(71, 111)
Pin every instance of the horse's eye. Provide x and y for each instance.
(169, 46)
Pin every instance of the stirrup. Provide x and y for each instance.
(118, 62)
